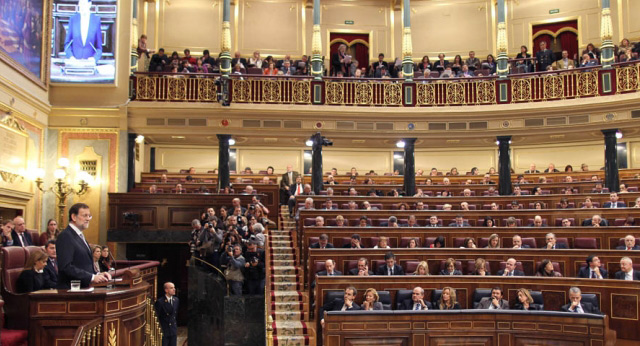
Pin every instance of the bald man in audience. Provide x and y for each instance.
(417, 302)
(19, 235)
(319, 221)
(362, 269)
(532, 169)
(629, 244)
(595, 221)
(329, 269)
(537, 222)
(517, 243)
(510, 269)
(626, 271)
(341, 304)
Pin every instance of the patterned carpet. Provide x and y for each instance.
(286, 298)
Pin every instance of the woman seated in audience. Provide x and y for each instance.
(457, 64)
(271, 70)
(568, 168)
(448, 300)
(105, 259)
(438, 242)
(546, 269)
(592, 51)
(425, 64)
(447, 206)
(481, 268)
(32, 277)
(492, 170)
(453, 171)
(637, 203)
(537, 205)
(383, 243)
(450, 268)
(413, 243)
(468, 243)
(542, 180)
(340, 221)
(536, 191)
(444, 193)
(588, 204)
(526, 64)
(200, 68)
(422, 269)
(494, 242)
(51, 233)
(371, 300)
(490, 64)
(475, 171)
(96, 250)
(255, 60)
(525, 301)
(488, 222)
(403, 206)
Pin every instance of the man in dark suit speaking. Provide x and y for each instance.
(84, 36)
(75, 261)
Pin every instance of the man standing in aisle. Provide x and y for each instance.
(167, 310)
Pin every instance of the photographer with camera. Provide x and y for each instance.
(210, 241)
(234, 261)
(254, 268)
(194, 241)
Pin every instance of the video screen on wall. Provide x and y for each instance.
(84, 41)
(21, 34)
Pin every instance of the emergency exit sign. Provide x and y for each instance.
(554, 11)
(348, 22)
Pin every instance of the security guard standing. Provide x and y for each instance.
(166, 310)
(544, 57)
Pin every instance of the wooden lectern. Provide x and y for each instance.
(105, 316)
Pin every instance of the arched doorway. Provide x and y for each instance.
(559, 36)
(357, 47)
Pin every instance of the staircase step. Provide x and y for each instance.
(291, 340)
(285, 328)
(284, 278)
(283, 256)
(288, 316)
(286, 296)
(285, 286)
(287, 306)
(284, 270)
(286, 262)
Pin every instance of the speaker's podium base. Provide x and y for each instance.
(116, 315)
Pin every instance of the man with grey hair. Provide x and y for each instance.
(517, 243)
(552, 242)
(577, 306)
(392, 222)
(234, 263)
(626, 270)
(194, 241)
(629, 243)
(18, 235)
(308, 205)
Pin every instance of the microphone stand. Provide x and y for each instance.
(113, 277)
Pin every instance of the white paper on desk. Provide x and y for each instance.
(84, 290)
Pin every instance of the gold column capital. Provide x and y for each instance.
(502, 37)
(316, 40)
(226, 37)
(606, 26)
(407, 46)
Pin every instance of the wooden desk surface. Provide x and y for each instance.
(618, 299)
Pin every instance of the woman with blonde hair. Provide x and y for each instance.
(422, 269)
(371, 300)
(481, 268)
(32, 277)
(450, 268)
(494, 242)
(448, 300)
(525, 301)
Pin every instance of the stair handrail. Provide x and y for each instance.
(153, 331)
(215, 270)
(89, 334)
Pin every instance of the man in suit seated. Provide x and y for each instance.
(495, 302)
(323, 243)
(629, 243)
(532, 169)
(537, 222)
(390, 267)
(626, 270)
(552, 242)
(565, 63)
(355, 243)
(614, 203)
(592, 270)
(362, 269)
(51, 269)
(319, 221)
(308, 205)
(341, 304)
(595, 221)
(575, 296)
(459, 222)
(19, 236)
(517, 243)
(416, 302)
(329, 269)
(510, 269)
(433, 221)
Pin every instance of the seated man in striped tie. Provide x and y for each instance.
(416, 302)
(575, 296)
(592, 270)
(510, 269)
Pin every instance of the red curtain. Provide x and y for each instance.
(359, 50)
(569, 42)
(554, 27)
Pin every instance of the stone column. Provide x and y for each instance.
(407, 47)
(409, 167)
(611, 177)
(225, 45)
(223, 161)
(316, 43)
(504, 165)
(316, 163)
(606, 33)
(503, 60)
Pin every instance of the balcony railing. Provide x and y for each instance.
(429, 92)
